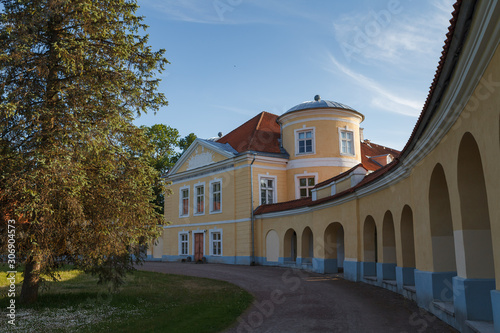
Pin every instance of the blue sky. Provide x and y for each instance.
(231, 59)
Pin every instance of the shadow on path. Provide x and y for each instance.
(291, 300)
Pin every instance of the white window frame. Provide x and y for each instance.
(195, 199)
(183, 233)
(304, 175)
(212, 232)
(305, 129)
(211, 199)
(348, 130)
(275, 190)
(180, 201)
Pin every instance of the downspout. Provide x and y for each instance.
(252, 263)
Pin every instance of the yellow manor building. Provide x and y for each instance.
(306, 190)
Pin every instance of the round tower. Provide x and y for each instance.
(323, 140)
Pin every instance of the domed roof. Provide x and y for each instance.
(319, 103)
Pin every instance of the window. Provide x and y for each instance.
(216, 240)
(305, 143)
(184, 202)
(183, 243)
(215, 196)
(306, 184)
(200, 199)
(347, 143)
(267, 190)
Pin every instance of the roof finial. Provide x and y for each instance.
(317, 98)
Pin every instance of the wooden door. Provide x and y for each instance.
(198, 247)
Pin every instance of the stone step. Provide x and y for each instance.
(480, 326)
(447, 307)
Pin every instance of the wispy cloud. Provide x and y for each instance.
(222, 11)
(396, 37)
(381, 97)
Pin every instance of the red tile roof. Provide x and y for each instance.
(370, 149)
(261, 134)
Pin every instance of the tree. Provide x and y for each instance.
(164, 140)
(73, 167)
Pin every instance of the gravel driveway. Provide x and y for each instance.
(291, 300)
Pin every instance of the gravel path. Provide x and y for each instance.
(290, 300)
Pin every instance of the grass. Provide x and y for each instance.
(147, 302)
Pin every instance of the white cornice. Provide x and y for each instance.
(322, 162)
(196, 143)
(319, 112)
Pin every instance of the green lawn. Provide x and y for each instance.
(147, 302)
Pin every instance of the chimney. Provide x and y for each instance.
(361, 135)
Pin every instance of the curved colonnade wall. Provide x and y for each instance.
(429, 225)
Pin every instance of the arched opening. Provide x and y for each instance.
(443, 245)
(290, 246)
(475, 264)
(307, 250)
(272, 246)
(406, 272)
(478, 250)
(388, 239)
(334, 248)
(388, 264)
(370, 252)
(438, 282)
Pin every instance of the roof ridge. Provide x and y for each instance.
(256, 128)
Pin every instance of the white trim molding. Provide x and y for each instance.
(211, 233)
(195, 198)
(211, 199)
(179, 243)
(183, 188)
(296, 133)
(353, 141)
(303, 175)
(275, 187)
(322, 162)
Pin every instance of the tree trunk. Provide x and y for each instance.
(29, 291)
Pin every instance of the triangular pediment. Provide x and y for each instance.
(202, 153)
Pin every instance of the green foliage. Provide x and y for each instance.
(164, 141)
(73, 167)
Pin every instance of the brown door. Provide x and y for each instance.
(198, 247)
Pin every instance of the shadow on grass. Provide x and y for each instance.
(147, 302)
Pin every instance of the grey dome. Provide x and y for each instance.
(319, 104)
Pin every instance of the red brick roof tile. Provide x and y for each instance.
(261, 134)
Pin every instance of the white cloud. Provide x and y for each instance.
(381, 97)
(397, 38)
(222, 11)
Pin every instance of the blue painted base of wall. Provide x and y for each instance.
(433, 286)
(324, 266)
(368, 268)
(234, 260)
(352, 270)
(150, 258)
(405, 276)
(472, 299)
(386, 271)
(495, 304)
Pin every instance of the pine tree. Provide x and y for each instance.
(73, 168)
